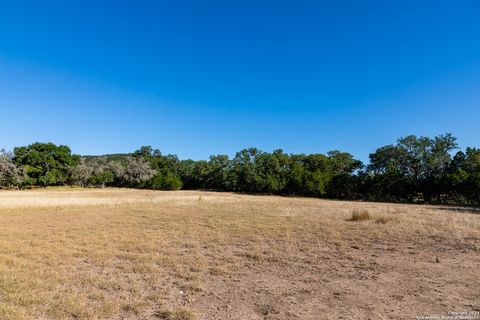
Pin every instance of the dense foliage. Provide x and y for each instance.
(415, 169)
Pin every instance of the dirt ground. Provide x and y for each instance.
(130, 254)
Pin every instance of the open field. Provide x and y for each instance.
(133, 254)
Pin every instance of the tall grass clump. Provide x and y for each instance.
(360, 215)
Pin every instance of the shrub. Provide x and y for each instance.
(166, 181)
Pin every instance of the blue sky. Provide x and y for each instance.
(196, 78)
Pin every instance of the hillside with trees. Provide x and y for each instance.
(414, 169)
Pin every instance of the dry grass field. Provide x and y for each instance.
(132, 254)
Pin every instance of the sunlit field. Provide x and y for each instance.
(134, 254)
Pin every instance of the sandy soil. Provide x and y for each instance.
(367, 280)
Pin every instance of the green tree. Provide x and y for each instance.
(465, 175)
(342, 182)
(45, 163)
(165, 181)
(244, 171)
(214, 173)
(421, 161)
(316, 174)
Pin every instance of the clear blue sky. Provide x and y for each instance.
(196, 78)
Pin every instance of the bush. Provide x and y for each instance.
(166, 181)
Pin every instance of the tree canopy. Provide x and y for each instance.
(45, 163)
(419, 169)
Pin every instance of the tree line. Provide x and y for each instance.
(414, 169)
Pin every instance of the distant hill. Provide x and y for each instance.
(120, 157)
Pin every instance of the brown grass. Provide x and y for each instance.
(363, 215)
(181, 314)
(386, 219)
(131, 254)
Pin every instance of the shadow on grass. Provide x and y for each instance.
(471, 210)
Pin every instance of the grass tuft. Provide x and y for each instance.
(363, 215)
(219, 270)
(385, 220)
(181, 314)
